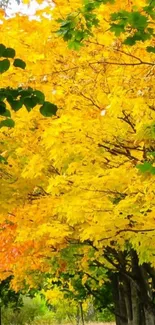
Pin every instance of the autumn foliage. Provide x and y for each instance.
(77, 191)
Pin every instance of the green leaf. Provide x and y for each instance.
(19, 63)
(7, 113)
(9, 53)
(25, 93)
(90, 6)
(4, 65)
(30, 102)
(74, 45)
(7, 123)
(150, 10)
(137, 20)
(79, 35)
(68, 35)
(59, 20)
(146, 167)
(2, 108)
(151, 2)
(48, 109)
(121, 15)
(40, 96)
(150, 49)
(2, 49)
(15, 104)
(3, 160)
(138, 36)
(10, 92)
(151, 153)
(117, 29)
(2, 94)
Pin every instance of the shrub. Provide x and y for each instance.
(31, 309)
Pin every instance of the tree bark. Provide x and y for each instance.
(81, 312)
(0, 315)
(135, 307)
(78, 315)
(149, 317)
(119, 301)
(133, 294)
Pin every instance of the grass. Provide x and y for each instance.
(101, 323)
(89, 323)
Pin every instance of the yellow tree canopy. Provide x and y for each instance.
(77, 176)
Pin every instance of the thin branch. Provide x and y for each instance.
(128, 230)
(123, 63)
(125, 53)
(127, 120)
(91, 100)
(117, 152)
(91, 277)
(129, 54)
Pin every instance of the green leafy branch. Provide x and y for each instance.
(148, 166)
(77, 26)
(16, 98)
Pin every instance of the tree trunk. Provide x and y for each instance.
(129, 310)
(78, 315)
(119, 301)
(132, 307)
(136, 317)
(82, 314)
(149, 317)
(133, 288)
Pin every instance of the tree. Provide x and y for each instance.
(82, 179)
(8, 297)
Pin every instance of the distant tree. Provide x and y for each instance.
(8, 296)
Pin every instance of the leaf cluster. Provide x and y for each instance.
(134, 24)
(9, 53)
(16, 98)
(9, 296)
